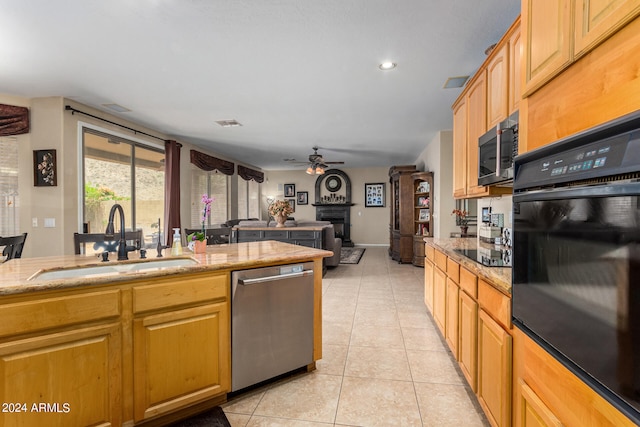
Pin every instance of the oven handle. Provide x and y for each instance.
(601, 190)
(498, 150)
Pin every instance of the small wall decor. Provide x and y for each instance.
(44, 168)
(374, 195)
(289, 190)
(303, 197)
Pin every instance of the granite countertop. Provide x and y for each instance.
(274, 228)
(499, 277)
(15, 274)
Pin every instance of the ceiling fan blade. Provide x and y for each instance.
(335, 163)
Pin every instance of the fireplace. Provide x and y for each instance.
(333, 203)
(340, 217)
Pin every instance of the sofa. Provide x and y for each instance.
(329, 239)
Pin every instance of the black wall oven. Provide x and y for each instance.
(576, 256)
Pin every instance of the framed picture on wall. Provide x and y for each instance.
(292, 203)
(45, 172)
(289, 190)
(374, 195)
(303, 197)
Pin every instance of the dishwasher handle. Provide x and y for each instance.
(247, 282)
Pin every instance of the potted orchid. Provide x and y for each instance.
(197, 241)
(280, 210)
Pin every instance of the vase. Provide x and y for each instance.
(463, 230)
(200, 247)
(280, 220)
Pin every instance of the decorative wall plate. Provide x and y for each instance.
(333, 183)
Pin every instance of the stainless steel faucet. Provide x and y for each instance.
(109, 233)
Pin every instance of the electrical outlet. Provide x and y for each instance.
(34, 222)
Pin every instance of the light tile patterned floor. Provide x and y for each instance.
(384, 362)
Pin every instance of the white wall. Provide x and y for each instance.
(369, 226)
(437, 157)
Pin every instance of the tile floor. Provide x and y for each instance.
(384, 363)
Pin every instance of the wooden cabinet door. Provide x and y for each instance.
(439, 298)
(451, 324)
(428, 284)
(596, 20)
(494, 370)
(476, 127)
(547, 29)
(468, 327)
(460, 149)
(515, 69)
(76, 374)
(497, 86)
(180, 357)
(533, 412)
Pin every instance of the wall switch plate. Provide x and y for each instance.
(34, 222)
(49, 222)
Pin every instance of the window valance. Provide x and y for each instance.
(250, 174)
(209, 163)
(13, 120)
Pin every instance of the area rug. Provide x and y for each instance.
(351, 255)
(212, 418)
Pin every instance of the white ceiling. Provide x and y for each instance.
(295, 73)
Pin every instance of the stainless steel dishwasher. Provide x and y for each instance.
(271, 322)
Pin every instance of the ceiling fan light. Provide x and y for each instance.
(310, 170)
(319, 171)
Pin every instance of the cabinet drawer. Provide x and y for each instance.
(276, 234)
(50, 313)
(249, 235)
(175, 292)
(495, 303)
(453, 270)
(430, 253)
(441, 260)
(469, 282)
(306, 234)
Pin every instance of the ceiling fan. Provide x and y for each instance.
(317, 164)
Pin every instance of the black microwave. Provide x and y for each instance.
(496, 150)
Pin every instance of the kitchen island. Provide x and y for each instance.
(130, 342)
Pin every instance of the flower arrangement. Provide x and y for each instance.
(461, 215)
(201, 235)
(280, 207)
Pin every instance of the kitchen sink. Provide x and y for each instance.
(112, 269)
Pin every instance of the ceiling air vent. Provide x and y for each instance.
(228, 123)
(453, 82)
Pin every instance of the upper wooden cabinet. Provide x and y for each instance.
(596, 20)
(557, 34)
(487, 100)
(546, 25)
(514, 93)
(460, 149)
(497, 86)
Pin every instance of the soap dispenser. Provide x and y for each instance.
(176, 247)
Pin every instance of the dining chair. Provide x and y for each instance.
(101, 245)
(13, 246)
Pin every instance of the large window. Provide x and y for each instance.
(9, 197)
(248, 199)
(216, 186)
(123, 171)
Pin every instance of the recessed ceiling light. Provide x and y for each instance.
(453, 82)
(228, 123)
(388, 65)
(117, 108)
